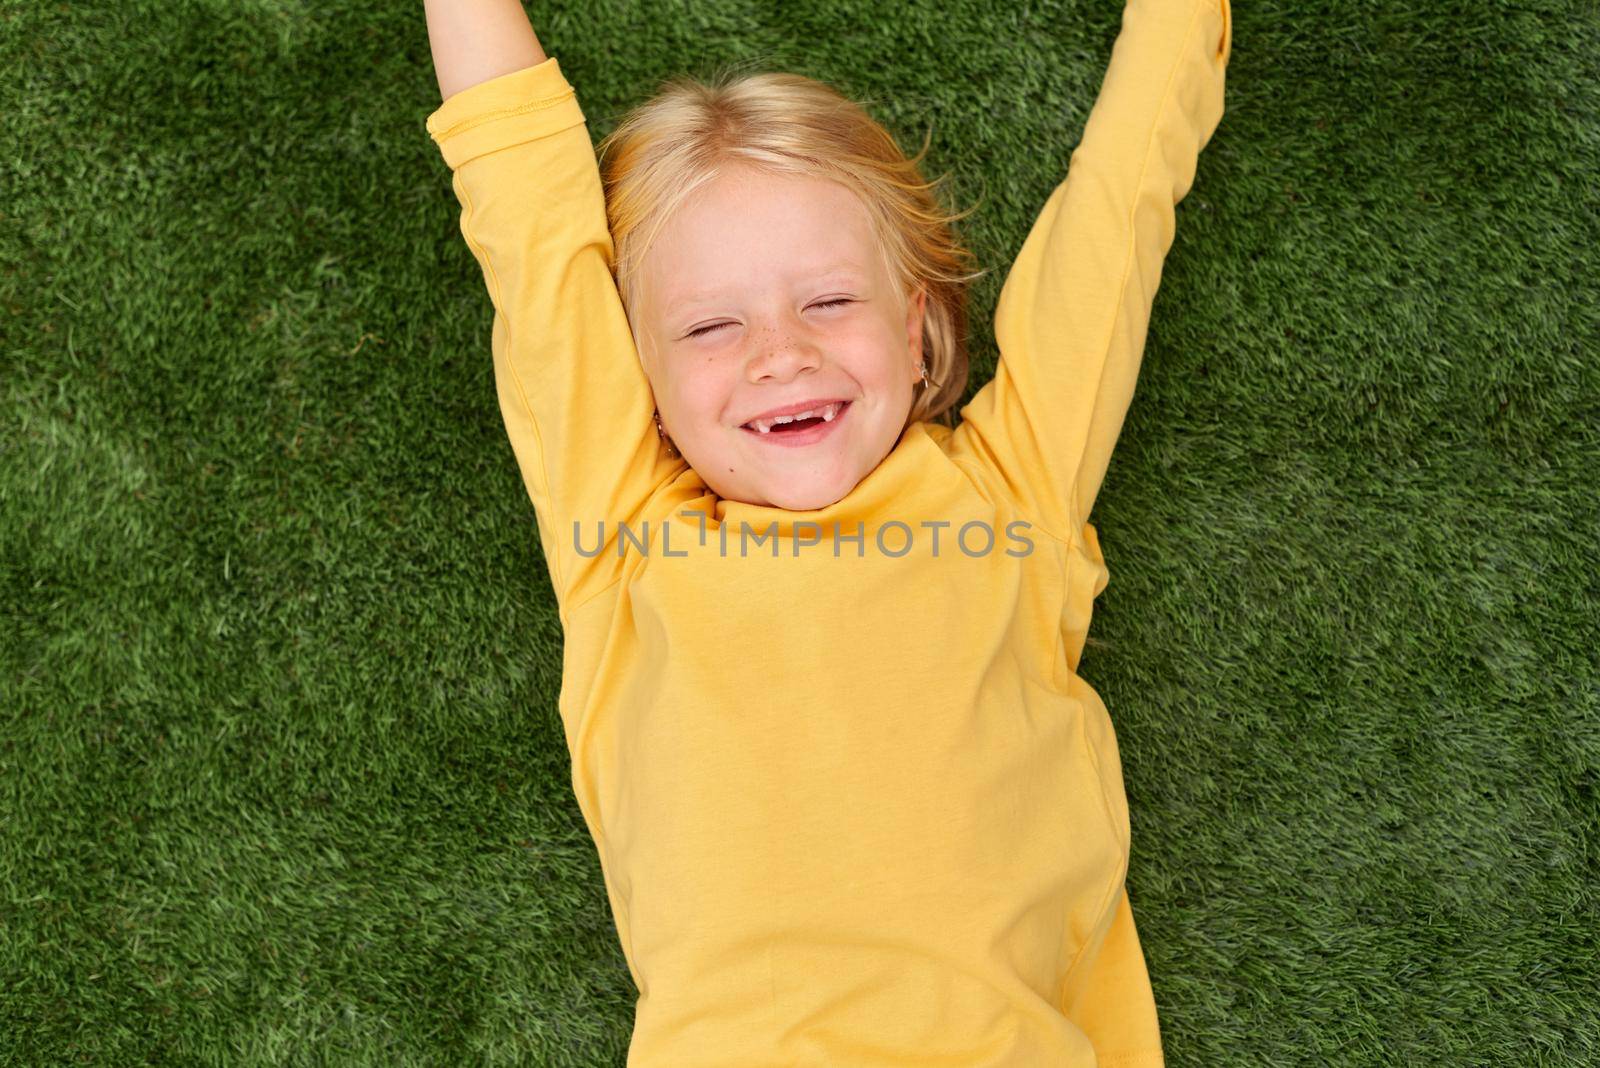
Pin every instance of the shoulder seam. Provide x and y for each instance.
(502, 113)
(975, 477)
(564, 611)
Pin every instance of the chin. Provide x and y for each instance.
(808, 497)
(804, 502)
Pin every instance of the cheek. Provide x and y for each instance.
(879, 359)
(701, 385)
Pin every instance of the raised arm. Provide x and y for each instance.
(1072, 316)
(475, 40)
(575, 400)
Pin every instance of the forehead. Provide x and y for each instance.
(749, 229)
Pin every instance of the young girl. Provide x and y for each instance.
(852, 801)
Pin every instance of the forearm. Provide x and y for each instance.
(476, 40)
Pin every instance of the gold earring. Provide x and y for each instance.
(672, 450)
(923, 367)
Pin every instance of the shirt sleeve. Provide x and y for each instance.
(1072, 315)
(576, 402)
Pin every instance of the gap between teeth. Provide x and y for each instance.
(827, 412)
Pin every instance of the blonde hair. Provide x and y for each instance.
(784, 123)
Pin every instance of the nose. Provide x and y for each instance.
(781, 356)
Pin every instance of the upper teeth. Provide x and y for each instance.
(827, 412)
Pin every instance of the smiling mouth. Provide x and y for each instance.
(797, 432)
(787, 425)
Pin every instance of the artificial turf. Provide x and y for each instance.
(282, 779)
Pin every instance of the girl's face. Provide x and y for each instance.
(769, 294)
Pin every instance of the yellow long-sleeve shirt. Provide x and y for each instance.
(852, 801)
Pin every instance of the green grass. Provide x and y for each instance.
(282, 779)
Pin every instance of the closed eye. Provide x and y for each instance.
(716, 326)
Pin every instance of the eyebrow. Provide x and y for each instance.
(845, 268)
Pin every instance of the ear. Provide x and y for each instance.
(916, 309)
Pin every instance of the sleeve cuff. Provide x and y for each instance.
(521, 106)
